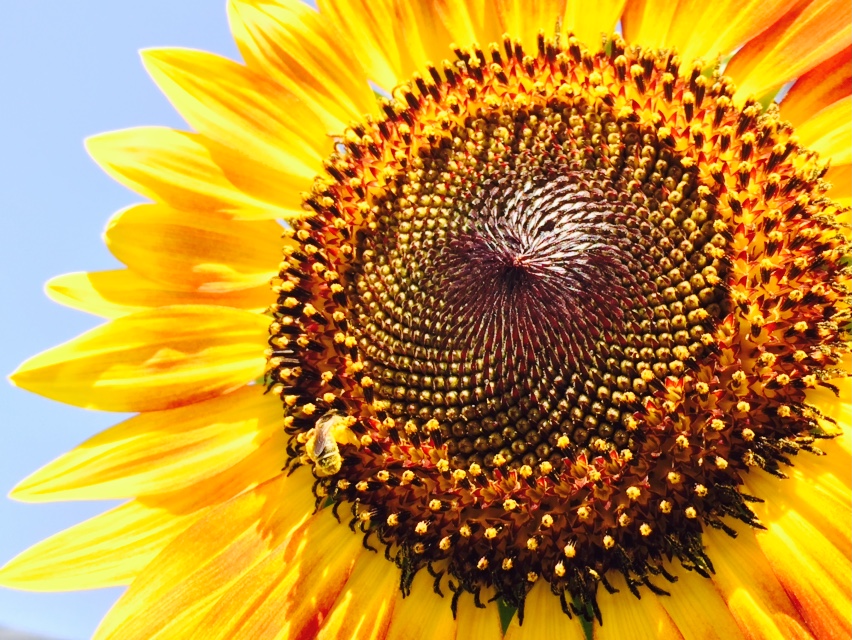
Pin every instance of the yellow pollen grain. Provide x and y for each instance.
(682, 441)
(748, 434)
(328, 397)
(525, 471)
(623, 520)
(343, 484)
(510, 504)
(810, 381)
(365, 516)
(445, 543)
(799, 355)
(782, 379)
(633, 493)
(459, 475)
(645, 529)
(559, 569)
(702, 388)
(665, 506)
(583, 512)
(608, 542)
(593, 475)
(532, 544)
(784, 411)
(507, 564)
(362, 486)
(392, 520)
(491, 533)
(407, 476)
(546, 521)
(700, 490)
(421, 527)
(674, 477)
(482, 565)
(545, 467)
(383, 476)
(474, 469)
(743, 406)
(435, 504)
(532, 576)
(721, 463)
(443, 465)
(499, 460)
(716, 424)
(690, 512)
(563, 442)
(800, 326)
(464, 531)
(309, 409)
(366, 440)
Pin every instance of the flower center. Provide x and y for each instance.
(544, 313)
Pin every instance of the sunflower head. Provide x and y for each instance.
(561, 298)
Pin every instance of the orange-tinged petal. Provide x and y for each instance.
(422, 604)
(159, 451)
(823, 85)
(829, 132)
(177, 168)
(195, 251)
(479, 623)
(291, 43)
(625, 616)
(290, 592)
(151, 360)
(814, 573)
(267, 141)
(171, 596)
(699, 29)
(840, 177)
(755, 598)
(808, 34)
(105, 551)
(364, 608)
(112, 294)
(544, 618)
(696, 607)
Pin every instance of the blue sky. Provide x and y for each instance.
(70, 70)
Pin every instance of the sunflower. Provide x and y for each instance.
(556, 344)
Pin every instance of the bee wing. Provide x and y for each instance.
(322, 434)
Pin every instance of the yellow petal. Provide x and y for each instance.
(422, 604)
(696, 607)
(808, 34)
(151, 360)
(177, 589)
(823, 85)
(625, 616)
(697, 28)
(105, 551)
(829, 132)
(177, 168)
(159, 451)
(470, 21)
(479, 623)
(290, 592)
(523, 20)
(291, 43)
(589, 26)
(391, 38)
(112, 294)
(747, 583)
(840, 177)
(364, 608)
(267, 142)
(194, 251)
(544, 618)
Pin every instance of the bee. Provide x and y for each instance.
(321, 446)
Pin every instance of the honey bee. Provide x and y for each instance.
(321, 446)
